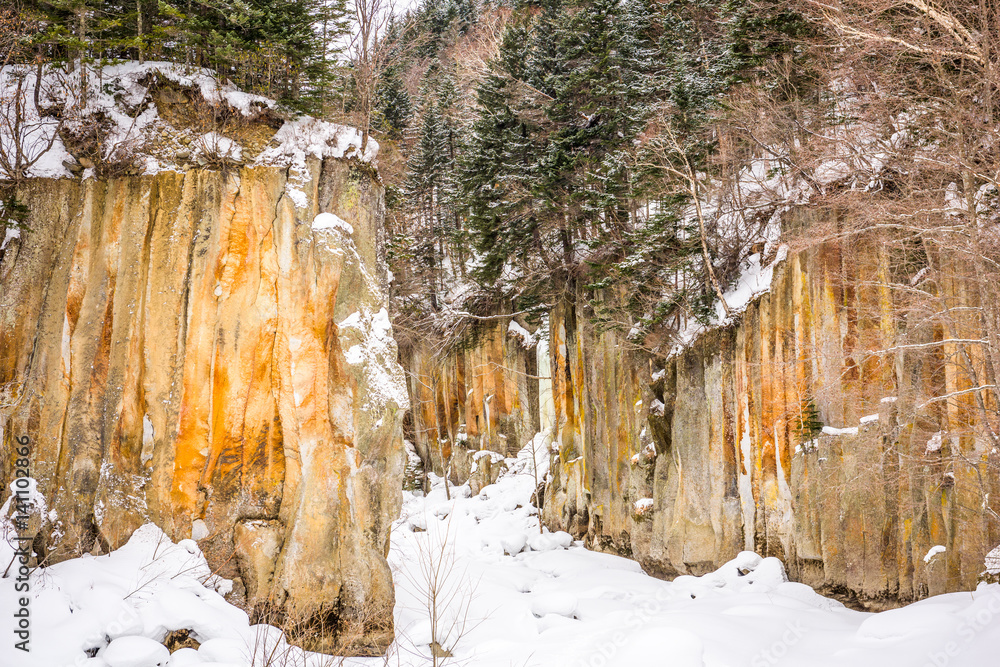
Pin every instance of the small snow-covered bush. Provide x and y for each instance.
(215, 150)
(100, 143)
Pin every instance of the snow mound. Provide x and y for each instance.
(122, 605)
(136, 652)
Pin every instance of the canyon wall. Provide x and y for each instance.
(813, 428)
(189, 348)
(805, 431)
(491, 395)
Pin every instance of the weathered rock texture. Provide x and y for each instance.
(720, 441)
(723, 438)
(486, 396)
(170, 344)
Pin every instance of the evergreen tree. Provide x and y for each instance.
(499, 166)
(598, 107)
(424, 191)
(393, 104)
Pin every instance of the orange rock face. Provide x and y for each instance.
(186, 349)
(483, 397)
(727, 438)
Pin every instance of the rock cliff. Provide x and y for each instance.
(493, 395)
(198, 349)
(802, 430)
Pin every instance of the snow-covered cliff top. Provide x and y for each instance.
(152, 117)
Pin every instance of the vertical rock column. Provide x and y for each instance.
(187, 349)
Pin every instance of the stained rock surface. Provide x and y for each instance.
(199, 350)
(814, 428)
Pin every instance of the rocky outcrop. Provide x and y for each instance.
(189, 348)
(491, 395)
(804, 431)
(813, 428)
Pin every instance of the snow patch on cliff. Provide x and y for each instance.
(369, 342)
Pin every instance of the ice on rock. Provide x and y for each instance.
(136, 652)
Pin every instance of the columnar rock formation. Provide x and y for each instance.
(493, 395)
(802, 431)
(190, 349)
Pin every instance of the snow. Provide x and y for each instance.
(753, 282)
(934, 551)
(643, 506)
(121, 95)
(869, 419)
(331, 221)
(136, 652)
(307, 136)
(9, 235)
(831, 171)
(992, 561)
(527, 339)
(935, 442)
(218, 146)
(512, 594)
(830, 430)
(369, 342)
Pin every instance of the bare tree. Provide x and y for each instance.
(371, 50)
(27, 132)
(445, 591)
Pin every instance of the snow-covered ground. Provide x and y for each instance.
(506, 595)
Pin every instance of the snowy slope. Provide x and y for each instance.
(507, 595)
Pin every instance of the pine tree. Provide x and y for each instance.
(598, 107)
(500, 165)
(393, 104)
(544, 59)
(424, 193)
